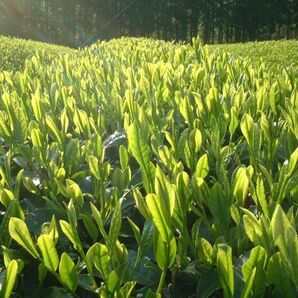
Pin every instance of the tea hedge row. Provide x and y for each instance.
(148, 169)
(14, 52)
(275, 53)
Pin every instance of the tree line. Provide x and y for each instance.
(79, 22)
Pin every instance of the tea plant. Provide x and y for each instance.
(148, 169)
(14, 52)
(275, 53)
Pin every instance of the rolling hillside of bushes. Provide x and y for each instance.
(14, 52)
(274, 53)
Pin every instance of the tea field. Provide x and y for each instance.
(274, 53)
(14, 52)
(142, 168)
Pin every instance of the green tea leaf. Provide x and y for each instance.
(71, 234)
(126, 290)
(97, 216)
(164, 190)
(160, 216)
(140, 202)
(6, 197)
(279, 225)
(52, 126)
(165, 253)
(257, 261)
(36, 138)
(195, 140)
(247, 291)
(18, 230)
(90, 227)
(202, 168)
(252, 227)
(293, 161)
(123, 156)
(136, 230)
(140, 150)
(115, 278)
(205, 250)
(241, 184)
(225, 269)
(234, 122)
(98, 256)
(74, 192)
(115, 226)
(10, 279)
(279, 275)
(94, 166)
(48, 252)
(262, 196)
(68, 273)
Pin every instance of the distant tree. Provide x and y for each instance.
(79, 22)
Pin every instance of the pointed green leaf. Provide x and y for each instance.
(165, 253)
(10, 279)
(140, 202)
(252, 227)
(18, 230)
(248, 285)
(74, 192)
(195, 140)
(71, 234)
(137, 143)
(257, 261)
(160, 216)
(234, 122)
(123, 156)
(202, 168)
(6, 197)
(68, 273)
(262, 196)
(115, 278)
(98, 256)
(53, 128)
(241, 184)
(247, 125)
(293, 161)
(278, 274)
(48, 252)
(225, 269)
(36, 138)
(94, 166)
(126, 290)
(164, 190)
(115, 226)
(97, 216)
(136, 230)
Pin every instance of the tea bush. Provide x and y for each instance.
(14, 52)
(142, 168)
(274, 53)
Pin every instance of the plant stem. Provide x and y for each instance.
(161, 281)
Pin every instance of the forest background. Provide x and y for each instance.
(77, 23)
